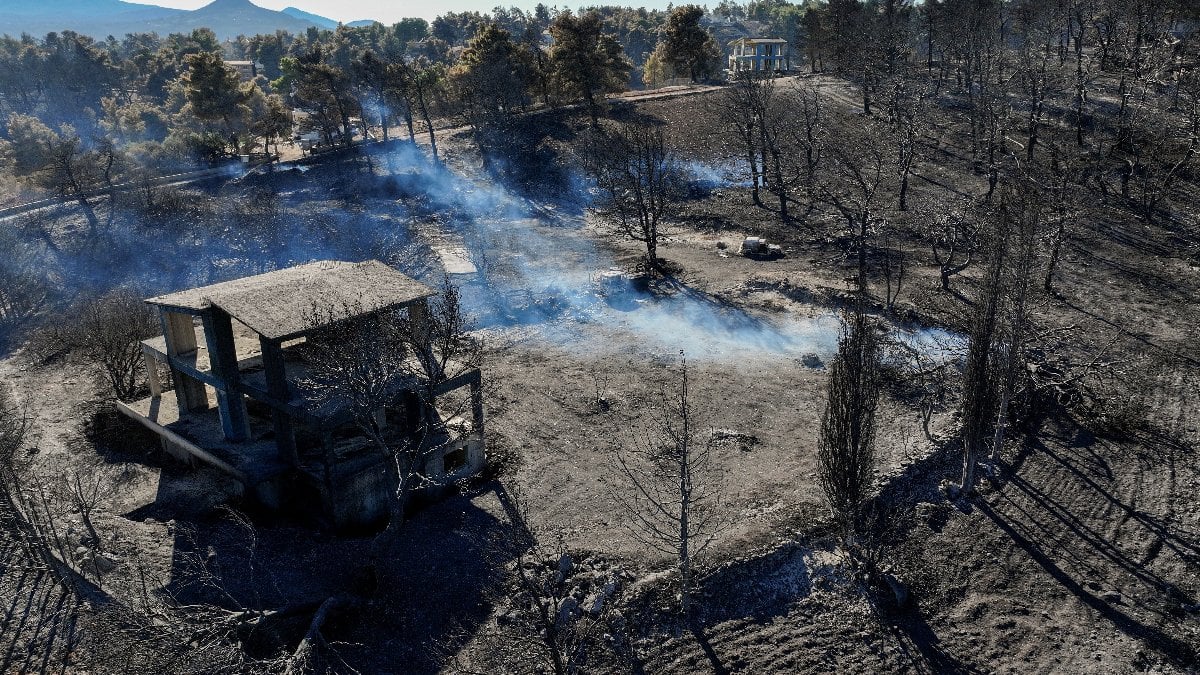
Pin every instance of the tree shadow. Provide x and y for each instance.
(1183, 543)
(759, 588)
(1166, 289)
(1178, 652)
(628, 112)
(1124, 331)
(710, 653)
(39, 624)
(917, 640)
(1036, 517)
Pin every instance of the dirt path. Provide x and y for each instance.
(52, 398)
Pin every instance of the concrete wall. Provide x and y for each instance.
(363, 489)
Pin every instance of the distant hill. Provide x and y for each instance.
(324, 22)
(309, 16)
(49, 9)
(39, 17)
(101, 18)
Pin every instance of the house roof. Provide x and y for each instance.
(754, 39)
(290, 302)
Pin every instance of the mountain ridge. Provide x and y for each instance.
(321, 21)
(101, 18)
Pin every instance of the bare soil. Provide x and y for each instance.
(1081, 557)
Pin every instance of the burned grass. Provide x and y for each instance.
(1079, 558)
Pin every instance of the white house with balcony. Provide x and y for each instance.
(759, 55)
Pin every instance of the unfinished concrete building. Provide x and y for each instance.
(236, 353)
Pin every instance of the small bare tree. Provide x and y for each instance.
(670, 490)
(362, 365)
(14, 425)
(846, 446)
(741, 107)
(859, 163)
(893, 269)
(547, 628)
(906, 112)
(810, 133)
(442, 344)
(84, 490)
(23, 291)
(1067, 211)
(637, 177)
(29, 507)
(109, 330)
(954, 240)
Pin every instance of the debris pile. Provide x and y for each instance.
(759, 249)
(743, 442)
(611, 282)
(578, 588)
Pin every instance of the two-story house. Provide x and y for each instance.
(759, 55)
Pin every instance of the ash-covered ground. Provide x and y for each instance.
(1084, 561)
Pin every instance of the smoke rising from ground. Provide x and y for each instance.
(535, 264)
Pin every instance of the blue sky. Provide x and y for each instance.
(390, 11)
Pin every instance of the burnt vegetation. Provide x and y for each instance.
(936, 280)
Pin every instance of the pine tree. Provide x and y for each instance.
(686, 46)
(587, 63)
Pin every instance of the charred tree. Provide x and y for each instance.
(978, 386)
(668, 486)
(108, 330)
(953, 239)
(846, 445)
(637, 177)
(365, 363)
(742, 107)
(859, 163)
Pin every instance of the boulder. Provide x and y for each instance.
(595, 602)
(567, 609)
(103, 563)
(899, 590)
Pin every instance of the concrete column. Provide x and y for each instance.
(418, 316)
(152, 372)
(277, 389)
(222, 359)
(180, 336)
(475, 448)
(435, 467)
(418, 319)
(477, 405)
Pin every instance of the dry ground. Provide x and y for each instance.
(1083, 557)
